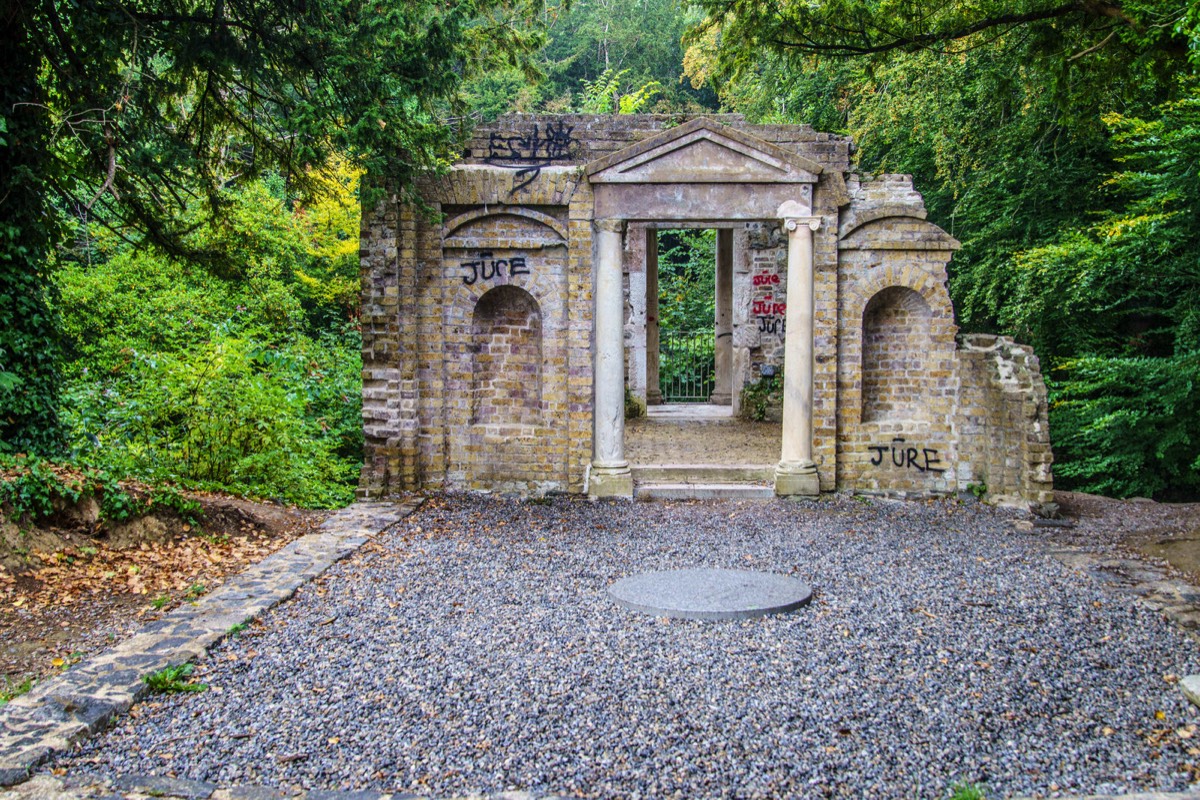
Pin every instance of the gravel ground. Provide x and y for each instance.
(474, 649)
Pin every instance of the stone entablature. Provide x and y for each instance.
(498, 340)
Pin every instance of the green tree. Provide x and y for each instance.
(248, 383)
(139, 113)
(687, 279)
(1128, 283)
(589, 42)
(1116, 305)
(1059, 142)
(28, 332)
(1074, 29)
(641, 38)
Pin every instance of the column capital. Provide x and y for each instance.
(611, 225)
(791, 224)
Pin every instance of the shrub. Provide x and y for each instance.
(229, 414)
(1127, 426)
(759, 398)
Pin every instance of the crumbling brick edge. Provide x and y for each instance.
(67, 708)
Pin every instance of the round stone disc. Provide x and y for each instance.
(710, 593)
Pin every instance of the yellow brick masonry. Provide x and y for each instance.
(483, 379)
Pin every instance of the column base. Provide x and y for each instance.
(721, 399)
(654, 397)
(797, 479)
(610, 482)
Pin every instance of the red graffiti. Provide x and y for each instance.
(766, 308)
(765, 279)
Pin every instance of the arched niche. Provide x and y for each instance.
(895, 350)
(506, 358)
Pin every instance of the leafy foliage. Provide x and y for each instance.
(143, 115)
(601, 95)
(230, 414)
(28, 336)
(1059, 143)
(588, 43)
(11, 690)
(964, 790)
(854, 28)
(34, 489)
(155, 104)
(1129, 283)
(686, 279)
(758, 399)
(1128, 426)
(249, 383)
(686, 311)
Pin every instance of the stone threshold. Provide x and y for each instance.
(62, 710)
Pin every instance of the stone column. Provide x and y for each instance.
(610, 475)
(653, 390)
(723, 378)
(797, 472)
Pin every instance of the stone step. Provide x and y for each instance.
(703, 491)
(703, 473)
(683, 419)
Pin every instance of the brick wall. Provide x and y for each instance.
(896, 350)
(1001, 418)
(506, 359)
(477, 325)
(895, 335)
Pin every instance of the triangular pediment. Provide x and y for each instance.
(703, 151)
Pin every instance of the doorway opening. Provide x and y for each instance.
(686, 311)
(691, 290)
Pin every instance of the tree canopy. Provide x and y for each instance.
(146, 104)
(847, 28)
(140, 113)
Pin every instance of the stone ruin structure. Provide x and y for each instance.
(503, 323)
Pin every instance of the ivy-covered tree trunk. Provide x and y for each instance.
(28, 330)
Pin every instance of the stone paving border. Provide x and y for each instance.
(60, 711)
(150, 787)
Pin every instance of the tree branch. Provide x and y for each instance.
(899, 41)
(1093, 48)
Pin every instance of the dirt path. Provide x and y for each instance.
(1164, 533)
(73, 588)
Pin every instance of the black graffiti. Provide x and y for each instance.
(527, 153)
(923, 459)
(488, 268)
(554, 144)
(769, 324)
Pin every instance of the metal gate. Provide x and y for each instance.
(686, 366)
